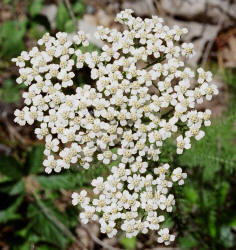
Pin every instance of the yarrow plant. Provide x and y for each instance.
(142, 94)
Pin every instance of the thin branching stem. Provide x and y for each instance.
(160, 59)
(72, 15)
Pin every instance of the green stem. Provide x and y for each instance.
(160, 59)
(72, 15)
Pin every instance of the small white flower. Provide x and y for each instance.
(20, 117)
(51, 145)
(20, 60)
(178, 176)
(80, 199)
(154, 221)
(165, 237)
(206, 117)
(195, 131)
(209, 90)
(81, 38)
(162, 169)
(42, 131)
(106, 157)
(187, 49)
(204, 76)
(139, 165)
(135, 182)
(88, 214)
(98, 184)
(109, 229)
(182, 143)
(51, 164)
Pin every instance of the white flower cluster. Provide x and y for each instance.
(131, 199)
(141, 96)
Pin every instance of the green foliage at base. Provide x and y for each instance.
(206, 211)
(29, 203)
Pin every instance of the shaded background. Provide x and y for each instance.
(35, 209)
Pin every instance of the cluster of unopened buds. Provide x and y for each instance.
(140, 95)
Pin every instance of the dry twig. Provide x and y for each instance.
(209, 46)
(211, 43)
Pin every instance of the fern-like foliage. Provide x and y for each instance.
(216, 150)
(206, 213)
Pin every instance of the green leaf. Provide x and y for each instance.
(66, 181)
(45, 247)
(212, 223)
(10, 167)
(223, 193)
(92, 47)
(12, 187)
(79, 8)
(62, 17)
(168, 222)
(220, 149)
(210, 200)
(23, 232)
(232, 222)
(187, 242)
(191, 194)
(10, 92)
(10, 213)
(36, 30)
(18, 188)
(35, 159)
(128, 243)
(69, 26)
(11, 37)
(35, 7)
(24, 246)
(43, 226)
(72, 179)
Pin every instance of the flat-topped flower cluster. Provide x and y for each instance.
(141, 95)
